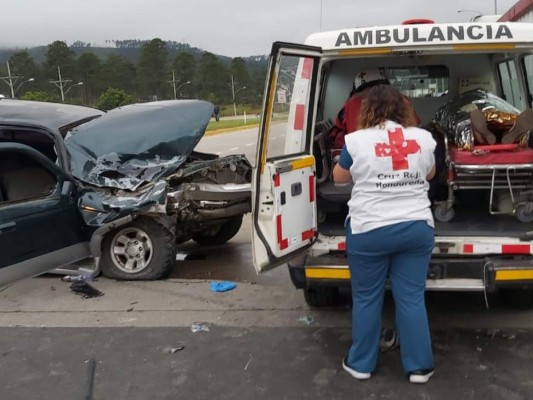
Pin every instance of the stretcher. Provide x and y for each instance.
(496, 168)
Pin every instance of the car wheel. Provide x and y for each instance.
(321, 296)
(521, 298)
(220, 234)
(140, 250)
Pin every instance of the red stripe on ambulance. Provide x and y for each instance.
(283, 243)
(516, 249)
(311, 188)
(495, 248)
(307, 68)
(307, 235)
(299, 117)
(277, 180)
(468, 248)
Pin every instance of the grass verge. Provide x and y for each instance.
(225, 125)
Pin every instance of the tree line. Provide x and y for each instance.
(106, 82)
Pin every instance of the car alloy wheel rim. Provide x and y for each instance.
(131, 250)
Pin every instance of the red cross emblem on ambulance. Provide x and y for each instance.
(398, 149)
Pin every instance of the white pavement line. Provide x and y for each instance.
(233, 149)
(249, 144)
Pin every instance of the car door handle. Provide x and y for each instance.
(9, 227)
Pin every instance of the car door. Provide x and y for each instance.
(40, 225)
(283, 183)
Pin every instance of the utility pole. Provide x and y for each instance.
(233, 93)
(10, 80)
(173, 82)
(61, 83)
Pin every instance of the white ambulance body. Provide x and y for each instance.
(298, 213)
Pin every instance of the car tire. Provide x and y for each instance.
(520, 298)
(221, 235)
(140, 250)
(319, 297)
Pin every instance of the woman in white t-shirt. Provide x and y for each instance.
(389, 230)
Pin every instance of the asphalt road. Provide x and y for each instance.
(263, 341)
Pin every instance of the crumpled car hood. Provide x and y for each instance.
(138, 143)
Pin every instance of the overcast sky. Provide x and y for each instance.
(232, 27)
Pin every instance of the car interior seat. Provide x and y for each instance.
(22, 178)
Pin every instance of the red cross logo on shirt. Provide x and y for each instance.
(398, 149)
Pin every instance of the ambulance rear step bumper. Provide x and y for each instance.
(463, 274)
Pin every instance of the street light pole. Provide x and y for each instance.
(479, 14)
(173, 82)
(22, 83)
(71, 86)
(179, 87)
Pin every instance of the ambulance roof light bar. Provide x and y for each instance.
(418, 21)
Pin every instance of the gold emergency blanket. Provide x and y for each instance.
(454, 117)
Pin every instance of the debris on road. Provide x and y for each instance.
(199, 327)
(307, 319)
(172, 350)
(176, 349)
(91, 369)
(85, 290)
(83, 274)
(248, 363)
(222, 286)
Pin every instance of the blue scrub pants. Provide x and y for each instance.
(401, 251)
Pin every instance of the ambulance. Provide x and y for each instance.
(299, 212)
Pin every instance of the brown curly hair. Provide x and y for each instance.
(382, 103)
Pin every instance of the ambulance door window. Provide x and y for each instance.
(509, 82)
(289, 124)
(528, 68)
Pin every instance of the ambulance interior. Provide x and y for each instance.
(430, 81)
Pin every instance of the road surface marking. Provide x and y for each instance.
(249, 144)
(235, 148)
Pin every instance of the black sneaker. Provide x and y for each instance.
(389, 340)
(421, 376)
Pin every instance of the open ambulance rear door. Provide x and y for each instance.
(283, 184)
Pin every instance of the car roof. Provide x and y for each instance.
(52, 116)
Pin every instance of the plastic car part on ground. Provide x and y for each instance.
(308, 319)
(199, 327)
(222, 286)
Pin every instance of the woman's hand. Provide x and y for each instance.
(341, 175)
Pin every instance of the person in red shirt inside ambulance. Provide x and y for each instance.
(389, 230)
(347, 119)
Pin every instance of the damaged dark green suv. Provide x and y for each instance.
(124, 187)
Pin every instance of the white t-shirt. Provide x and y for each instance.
(389, 171)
